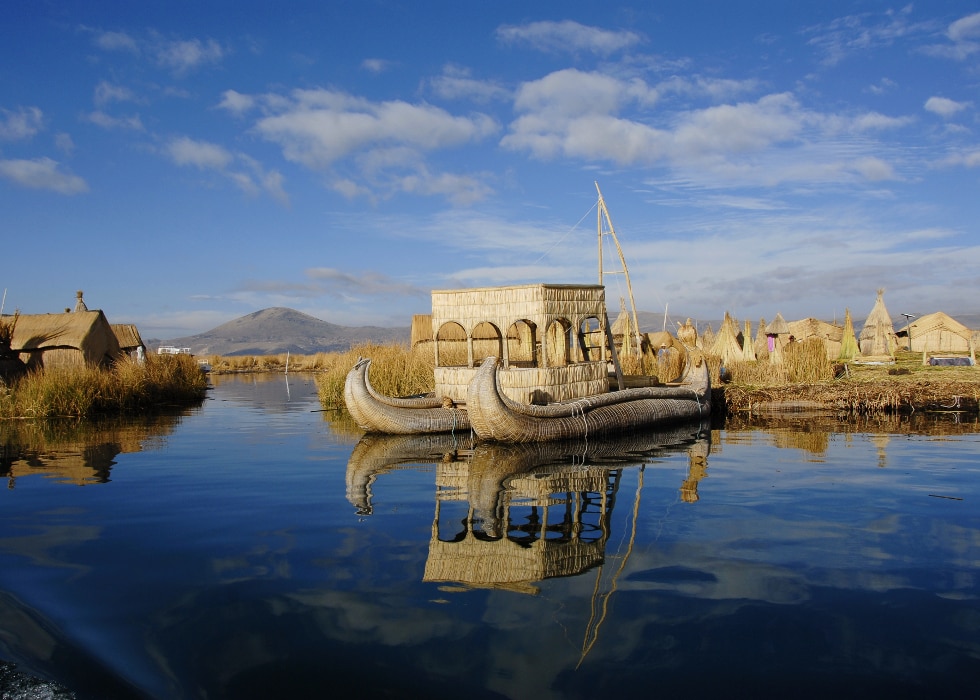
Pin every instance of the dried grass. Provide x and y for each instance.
(84, 391)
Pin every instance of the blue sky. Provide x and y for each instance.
(185, 163)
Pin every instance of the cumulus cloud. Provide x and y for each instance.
(107, 121)
(943, 106)
(184, 55)
(601, 118)
(318, 127)
(964, 39)
(235, 102)
(20, 124)
(568, 36)
(180, 56)
(106, 92)
(366, 146)
(42, 174)
(244, 171)
(457, 83)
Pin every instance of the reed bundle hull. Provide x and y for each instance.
(494, 417)
(376, 413)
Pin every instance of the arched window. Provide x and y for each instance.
(522, 341)
(451, 345)
(486, 342)
(558, 343)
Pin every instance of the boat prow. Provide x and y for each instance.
(377, 413)
(495, 417)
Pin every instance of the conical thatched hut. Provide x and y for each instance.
(707, 338)
(777, 333)
(878, 340)
(726, 345)
(935, 332)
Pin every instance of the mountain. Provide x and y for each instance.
(279, 330)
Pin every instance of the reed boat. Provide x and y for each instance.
(377, 413)
(494, 416)
(528, 347)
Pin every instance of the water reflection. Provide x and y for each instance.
(529, 512)
(79, 452)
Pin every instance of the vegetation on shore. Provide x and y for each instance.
(87, 391)
(803, 378)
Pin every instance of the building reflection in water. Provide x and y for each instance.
(507, 516)
(78, 452)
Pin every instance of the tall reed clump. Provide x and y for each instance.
(396, 370)
(85, 391)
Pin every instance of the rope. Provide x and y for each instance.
(555, 245)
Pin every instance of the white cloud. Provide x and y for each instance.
(42, 174)
(184, 55)
(456, 83)
(964, 38)
(965, 28)
(116, 41)
(376, 65)
(21, 124)
(318, 127)
(568, 36)
(235, 102)
(107, 121)
(943, 106)
(200, 154)
(244, 171)
(106, 92)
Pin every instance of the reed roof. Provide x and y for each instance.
(85, 331)
(127, 335)
(778, 326)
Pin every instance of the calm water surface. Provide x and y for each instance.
(251, 549)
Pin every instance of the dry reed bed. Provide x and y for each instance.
(87, 391)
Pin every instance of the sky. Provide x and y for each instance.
(187, 163)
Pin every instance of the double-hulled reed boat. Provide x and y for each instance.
(525, 363)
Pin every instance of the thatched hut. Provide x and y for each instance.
(878, 340)
(777, 333)
(935, 332)
(67, 339)
(830, 334)
(128, 338)
(726, 345)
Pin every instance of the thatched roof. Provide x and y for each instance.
(878, 337)
(748, 350)
(815, 328)
(778, 326)
(726, 345)
(128, 336)
(87, 334)
(937, 332)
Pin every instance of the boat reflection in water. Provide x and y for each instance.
(532, 511)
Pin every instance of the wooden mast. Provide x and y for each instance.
(608, 230)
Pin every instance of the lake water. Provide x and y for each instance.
(250, 548)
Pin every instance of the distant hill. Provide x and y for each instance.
(279, 330)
